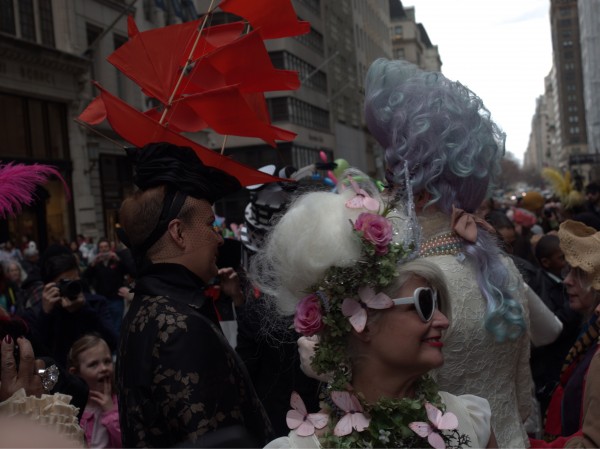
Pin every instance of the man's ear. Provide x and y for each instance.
(176, 232)
(544, 262)
(72, 370)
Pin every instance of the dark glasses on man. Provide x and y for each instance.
(425, 301)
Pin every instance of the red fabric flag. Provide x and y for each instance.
(139, 130)
(227, 112)
(132, 28)
(154, 59)
(179, 118)
(95, 113)
(245, 62)
(272, 18)
(182, 118)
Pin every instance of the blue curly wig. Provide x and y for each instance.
(443, 135)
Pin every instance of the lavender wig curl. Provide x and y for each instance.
(443, 135)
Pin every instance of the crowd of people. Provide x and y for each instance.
(426, 314)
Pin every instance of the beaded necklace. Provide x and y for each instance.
(444, 244)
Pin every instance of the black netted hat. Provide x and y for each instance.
(163, 163)
(184, 174)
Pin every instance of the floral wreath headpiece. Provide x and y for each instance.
(340, 299)
(337, 304)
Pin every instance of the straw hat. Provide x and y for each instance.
(581, 246)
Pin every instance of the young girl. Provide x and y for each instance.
(90, 359)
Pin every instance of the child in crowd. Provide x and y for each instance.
(90, 359)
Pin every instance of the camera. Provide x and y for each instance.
(70, 289)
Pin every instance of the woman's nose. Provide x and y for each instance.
(440, 320)
(568, 280)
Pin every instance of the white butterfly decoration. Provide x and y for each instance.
(300, 420)
(439, 421)
(362, 200)
(355, 311)
(354, 418)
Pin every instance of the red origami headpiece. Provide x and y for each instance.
(204, 77)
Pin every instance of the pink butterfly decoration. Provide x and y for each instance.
(300, 420)
(362, 200)
(439, 421)
(354, 418)
(357, 313)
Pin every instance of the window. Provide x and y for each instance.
(313, 40)
(46, 22)
(27, 20)
(303, 156)
(399, 53)
(310, 77)
(92, 33)
(117, 42)
(278, 109)
(398, 30)
(7, 17)
(314, 5)
(298, 112)
(33, 128)
(34, 18)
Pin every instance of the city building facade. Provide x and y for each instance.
(542, 149)
(567, 61)
(589, 26)
(410, 40)
(52, 50)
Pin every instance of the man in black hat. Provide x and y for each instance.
(180, 382)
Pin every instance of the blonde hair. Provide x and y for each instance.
(84, 343)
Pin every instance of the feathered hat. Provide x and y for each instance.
(563, 188)
(18, 183)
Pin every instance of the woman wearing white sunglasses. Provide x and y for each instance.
(351, 276)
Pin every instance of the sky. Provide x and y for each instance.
(500, 49)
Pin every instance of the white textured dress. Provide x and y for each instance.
(473, 415)
(474, 363)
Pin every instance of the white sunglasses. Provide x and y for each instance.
(425, 301)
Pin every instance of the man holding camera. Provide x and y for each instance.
(66, 312)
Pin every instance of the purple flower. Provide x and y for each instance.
(309, 316)
(376, 229)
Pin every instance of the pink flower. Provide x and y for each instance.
(309, 317)
(376, 229)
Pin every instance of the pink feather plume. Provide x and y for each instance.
(18, 183)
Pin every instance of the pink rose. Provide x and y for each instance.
(376, 229)
(309, 318)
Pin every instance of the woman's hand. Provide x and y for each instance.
(13, 379)
(103, 399)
